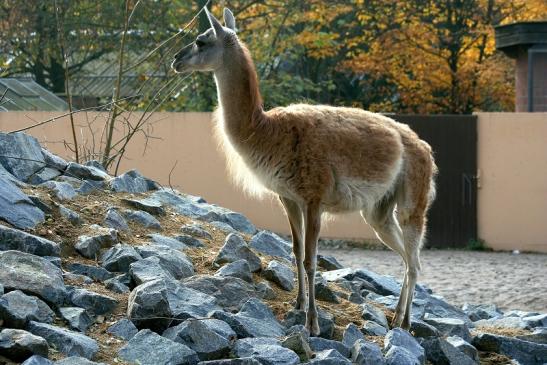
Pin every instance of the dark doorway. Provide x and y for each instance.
(453, 216)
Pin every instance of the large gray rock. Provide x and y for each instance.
(119, 257)
(439, 352)
(230, 292)
(54, 161)
(18, 345)
(401, 338)
(401, 356)
(148, 269)
(168, 299)
(450, 327)
(271, 244)
(124, 329)
(481, 311)
(76, 170)
(371, 328)
(147, 205)
(366, 353)
(351, 335)
(208, 344)
(149, 348)
(32, 274)
(21, 155)
(77, 360)
(298, 342)
(17, 309)
(145, 219)
(539, 320)
(118, 284)
(237, 269)
(95, 272)
(62, 190)
(132, 182)
(189, 241)
(77, 318)
(89, 246)
(196, 230)
(422, 329)
(464, 346)
(280, 274)
(235, 249)
(525, 352)
(255, 319)
(68, 342)
(16, 208)
(13, 239)
(93, 302)
(329, 357)
(114, 219)
(326, 321)
(375, 314)
(328, 262)
(238, 361)
(37, 360)
(170, 242)
(70, 215)
(267, 351)
(321, 344)
(173, 261)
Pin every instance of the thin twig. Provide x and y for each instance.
(170, 172)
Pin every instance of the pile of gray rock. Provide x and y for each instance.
(178, 315)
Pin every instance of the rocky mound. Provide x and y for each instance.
(104, 269)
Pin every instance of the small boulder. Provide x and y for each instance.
(280, 274)
(21, 155)
(398, 355)
(271, 244)
(267, 351)
(422, 329)
(146, 205)
(230, 292)
(13, 239)
(18, 345)
(124, 329)
(321, 344)
(77, 318)
(401, 338)
(68, 342)
(481, 311)
(145, 219)
(450, 327)
(235, 249)
(525, 352)
(170, 242)
(132, 182)
(189, 241)
(119, 257)
(328, 262)
(299, 344)
(114, 219)
(74, 169)
(438, 351)
(89, 246)
(371, 328)
(464, 347)
(173, 261)
(366, 353)
(326, 321)
(93, 302)
(16, 207)
(70, 215)
(95, 272)
(149, 348)
(61, 189)
(148, 269)
(196, 230)
(17, 309)
(38, 360)
(351, 335)
(329, 357)
(374, 314)
(238, 269)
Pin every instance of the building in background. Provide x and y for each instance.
(26, 94)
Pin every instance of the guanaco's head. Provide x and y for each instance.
(206, 53)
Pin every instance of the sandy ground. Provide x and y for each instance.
(507, 280)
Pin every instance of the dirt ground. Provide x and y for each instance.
(511, 281)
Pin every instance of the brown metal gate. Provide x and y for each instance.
(453, 216)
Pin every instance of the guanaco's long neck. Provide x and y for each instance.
(238, 94)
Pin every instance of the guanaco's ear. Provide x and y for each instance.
(229, 19)
(215, 24)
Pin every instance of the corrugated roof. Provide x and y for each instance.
(26, 94)
(102, 86)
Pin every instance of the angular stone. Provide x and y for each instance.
(114, 219)
(32, 274)
(539, 320)
(124, 329)
(230, 293)
(189, 241)
(221, 328)
(132, 182)
(76, 278)
(280, 274)
(90, 186)
(13, 239)
(196, 230)
(328, 262)
(37, 360)
(539, 336)
(119, 257)
(70, 215)
(238, 361)
(224, 227)
(299, 344)
(68, 342)
(255, 319)
(77, 360)
(439, 351)
(399, 337)
(96, 164)
(208, 344)
(18, 345)
(149, 348)
(401, 356)
(326, 321)
(437, 307)
(89, 246)
(238, 269)
(323, 292)
(265, 291)
(93, 302)
(422, 329)
(525, 352)
(371, 328)
(271, 244)
(321, 344)
(234, 249)
(147, 205)
(374, 314)
(329, 357)
(62, 190)
(41, 204)
(118, 284)
(17, 309)
(464, 346)
(53, 161)
(481, 311)
(170, 242)
(95, 272)
(16, 208)
(267, 351)
(173, 261)
(21, 155)
(148, 269)
(450, 327)
(145, 219)
(77, 318)
(85, 172)
(169, 299)
(351, 335)
(366, 353)
(45, 174)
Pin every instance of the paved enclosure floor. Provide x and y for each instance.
(507, 280)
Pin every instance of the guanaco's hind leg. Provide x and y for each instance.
(312, 219)
(295, 217)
